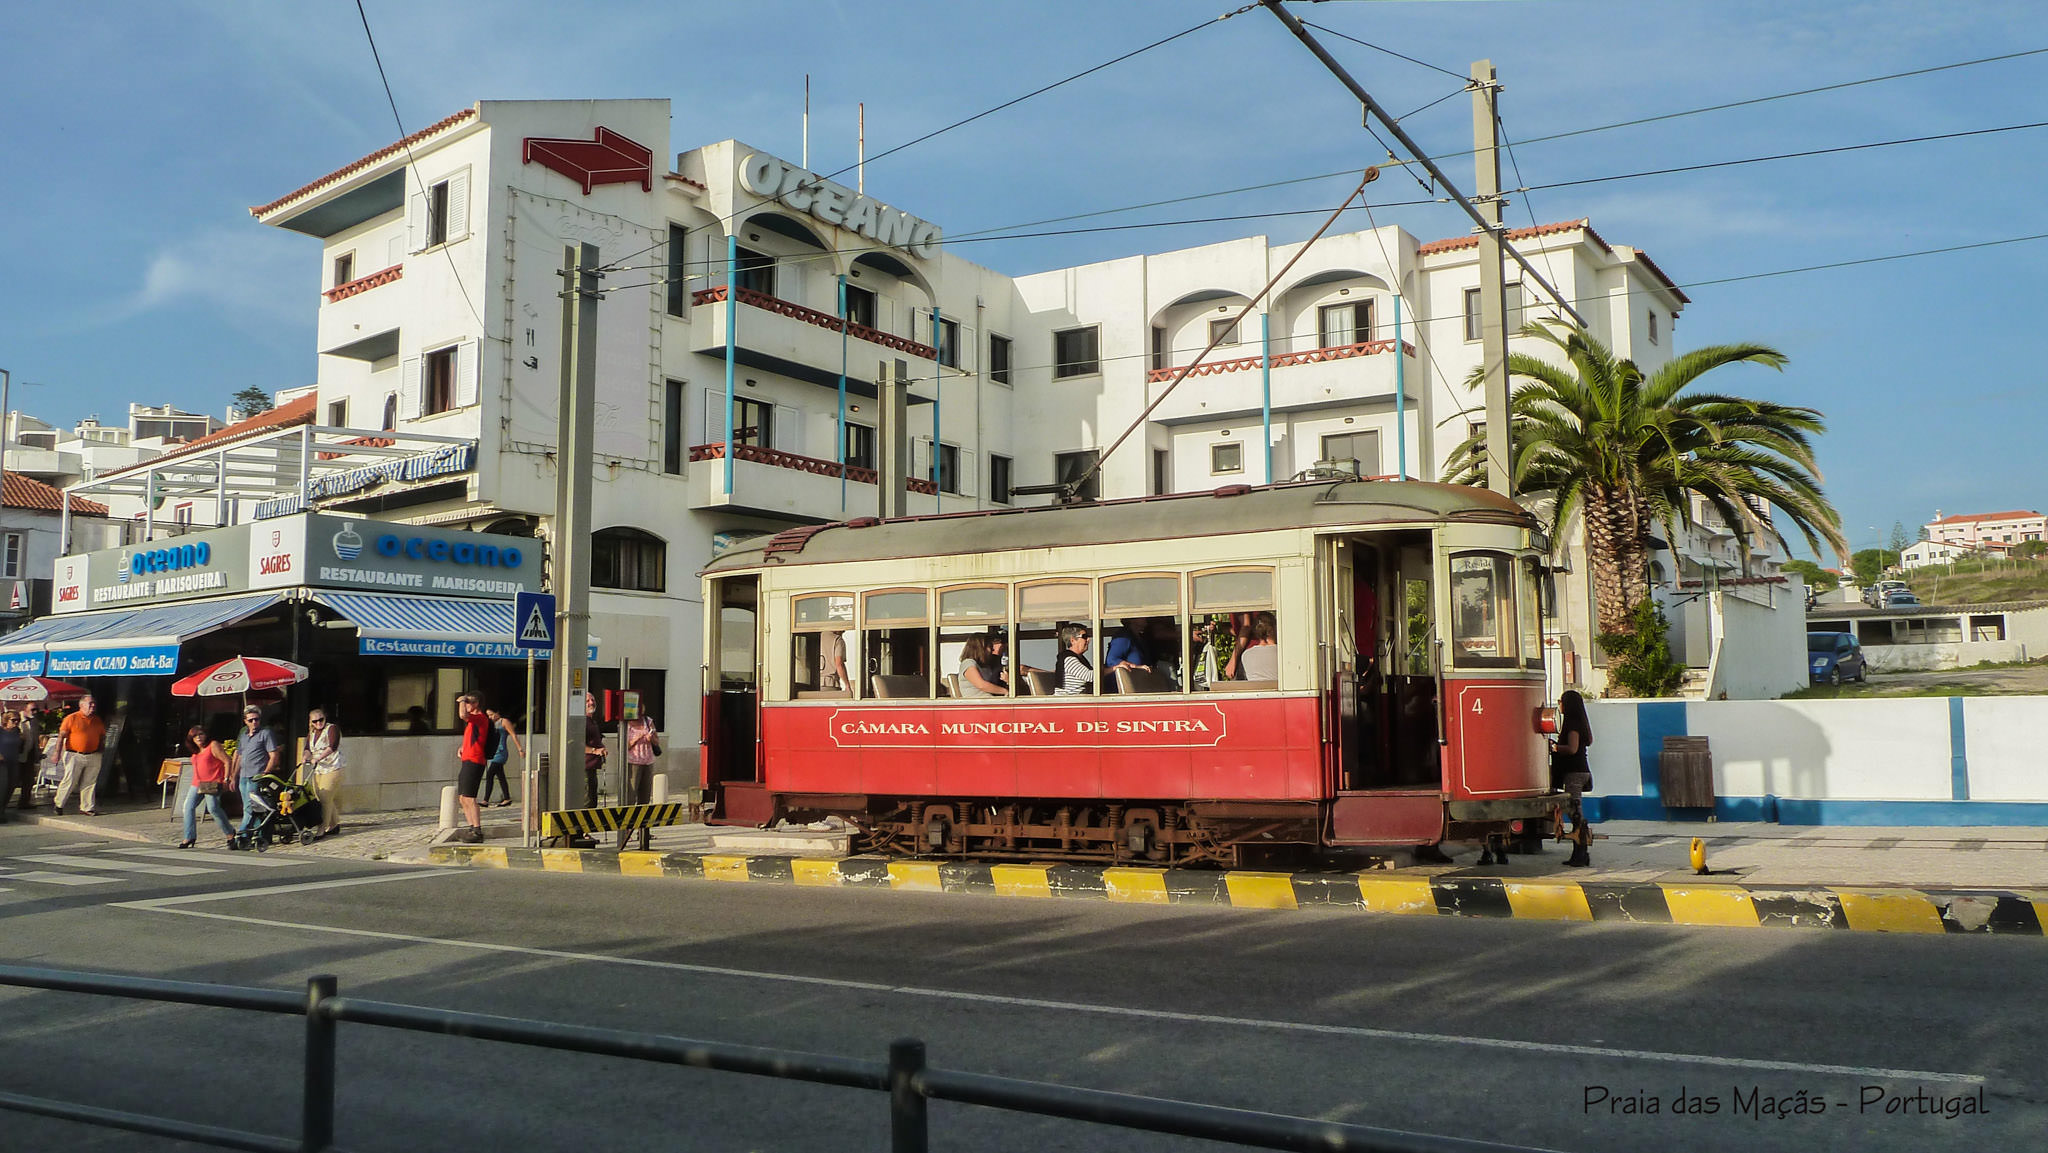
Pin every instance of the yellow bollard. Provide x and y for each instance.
(1699, 856)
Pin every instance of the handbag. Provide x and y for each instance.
(206, 788)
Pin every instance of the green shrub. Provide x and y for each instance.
(1639, 663)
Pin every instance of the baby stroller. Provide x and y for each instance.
(290, 814)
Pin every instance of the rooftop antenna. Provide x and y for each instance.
(860, 165)
(807, 121)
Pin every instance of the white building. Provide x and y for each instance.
(1920, 554)
(439, 331)
(1988, 528)
(31, 529)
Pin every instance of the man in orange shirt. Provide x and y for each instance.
(82, 732)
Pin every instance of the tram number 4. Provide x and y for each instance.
(1478, 708)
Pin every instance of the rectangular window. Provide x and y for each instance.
(678, 276)
(1076, 352)
(390, 412)
(1223, 332)
(860, 306)
(949, 468)
(337, 413)
(1161, 354)
(1338, 325)
(437, 215)
(182, 514)
(1233, 633)
(437, 381)
(1653, 326)
(627, 558)
(896, 642)
(1483, 610)
(344, 269)
(1474, 330)
(1162, 477)
(1357, 452)
(753, 422)
(949, 342)
(999, 359)
(755, 271)
(1226, 457)
(1068, 467)
(860, 445)
(1515, 308)
(11, 558)
(672, 432)
(818, 656)
(998, 479)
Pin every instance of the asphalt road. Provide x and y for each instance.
(1503, 1030)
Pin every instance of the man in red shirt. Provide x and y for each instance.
(476, 735)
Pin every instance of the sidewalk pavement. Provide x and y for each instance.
(1779, 856)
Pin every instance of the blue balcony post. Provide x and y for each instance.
(732, 325)
(1266, 389)
(845, 323)
(1400, 395)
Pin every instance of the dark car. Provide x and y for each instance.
(1832, 658)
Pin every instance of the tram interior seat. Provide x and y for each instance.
(890, 687)
(949, 686)
(821, 694)
(1040, 681)
(1243, 686)
(1143, 681)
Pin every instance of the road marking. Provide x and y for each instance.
(165, 905)
(62, 879)
(104, 865)
(218, 856)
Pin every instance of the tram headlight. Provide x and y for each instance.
(1546, 720)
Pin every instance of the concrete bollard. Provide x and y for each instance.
(448, 807)
(659, 795)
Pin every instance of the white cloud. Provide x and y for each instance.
(250, 278)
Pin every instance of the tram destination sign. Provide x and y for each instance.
(1075, 726)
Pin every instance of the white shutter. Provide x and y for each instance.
(789, 429)
(409, 389)
(921, 457)
(458, 206)
(394, 252)
(415, 221)
(967, 349)
(714, 419)
(967, 466)
(466, 374)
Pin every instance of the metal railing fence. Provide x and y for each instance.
(905, 1077)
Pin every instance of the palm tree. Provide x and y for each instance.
(1594, 436)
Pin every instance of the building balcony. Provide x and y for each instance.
(775, 335)
(772, 482)
(362, 284)
(1310, 378)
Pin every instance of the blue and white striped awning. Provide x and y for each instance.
(131, 642)
(388, 624)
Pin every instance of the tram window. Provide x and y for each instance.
(1415, 602)
(1483, 610)
(818, 658)
(895, 643)
(1142, 614)
(1531, 602)
(980, 611)
(1042, 608)
(1234, 632)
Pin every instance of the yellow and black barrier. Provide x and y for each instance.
(1870, 909)
(613, 819)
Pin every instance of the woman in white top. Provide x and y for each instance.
(323, 768)
(1258, 659)
(1077, 673)
(973, 681)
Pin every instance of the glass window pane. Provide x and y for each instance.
(1053, 601)
(1532, 618)
(1242, 589)
(896, 608)
(1141, 596)
(821, 611)
(987, 606)
(1482, 610)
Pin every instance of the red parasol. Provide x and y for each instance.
(239, 675)
(38, 689)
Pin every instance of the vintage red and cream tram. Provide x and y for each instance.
(1400, 706)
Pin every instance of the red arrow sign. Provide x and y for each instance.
(609, 159)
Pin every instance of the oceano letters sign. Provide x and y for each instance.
(839, 206)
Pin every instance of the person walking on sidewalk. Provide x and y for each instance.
(594, 751)
(504, 742)
(209, 777)
(258, 751)
(323, 768)
(476, 736)
(83, 734)
(12, 763)
(641, 750)
(1571, 771)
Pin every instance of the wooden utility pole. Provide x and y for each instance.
(1493, 302)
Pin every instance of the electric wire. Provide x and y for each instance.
(1459, 76)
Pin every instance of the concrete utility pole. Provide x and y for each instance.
(575, 413)
(892, 454)
(1493, 304)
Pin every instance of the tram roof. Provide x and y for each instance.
(1234, 509)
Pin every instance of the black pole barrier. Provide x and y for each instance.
(908, 1132)
(316, 1122)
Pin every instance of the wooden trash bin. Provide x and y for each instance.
(1685, 769)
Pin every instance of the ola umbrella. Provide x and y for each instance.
(38, 689)
(239, 675)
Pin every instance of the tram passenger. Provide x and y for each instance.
(995, 666)
(1203, 671)
(832, 662)
(1131, 650)
(1571, 771)
(1077, 672)
(974, 679)
(1257, 657)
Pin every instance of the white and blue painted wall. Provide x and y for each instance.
(1896, 761)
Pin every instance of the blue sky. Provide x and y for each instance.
(139, 134)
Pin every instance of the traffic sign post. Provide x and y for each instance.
(533, 629)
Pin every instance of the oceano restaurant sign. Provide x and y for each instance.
(839, 206)
(177, 568)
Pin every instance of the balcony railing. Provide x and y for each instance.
(825, 320)
(1283, 360)
(363, 284)
(776, 458)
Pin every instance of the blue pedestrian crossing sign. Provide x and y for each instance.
(533, 621)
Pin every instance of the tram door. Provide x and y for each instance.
(732, 701)
(1413, 754)
(1355, 681)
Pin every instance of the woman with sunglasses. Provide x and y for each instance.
(323, 767)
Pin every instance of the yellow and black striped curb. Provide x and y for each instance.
(1890, 910)
(612, 819)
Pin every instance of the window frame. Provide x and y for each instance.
(13, 555)
(946, 342)
(763, 435)
(1506, 628)
(1000, 470)
(610, 539)
(1361, 333)
(1067, 368)
(863, 306)
(677, 278)
(846, 628)
(858, 445)
(337, 413)
(1092, 490)
(437, 388)
(1227, 327)
(344, 268)
(946, 463)
(675, 403)
(1215, 466)
(999, 358)
(438, 195)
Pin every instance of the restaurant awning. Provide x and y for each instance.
(130, 642)
(390, 624)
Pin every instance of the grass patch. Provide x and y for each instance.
(1980, 581)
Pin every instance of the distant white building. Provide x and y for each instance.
(2006, 528)
(1931, 552)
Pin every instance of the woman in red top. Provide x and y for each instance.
(209, 777)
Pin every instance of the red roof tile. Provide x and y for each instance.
(296, 412)
(350, 169)
(1668, 282)
(24, 492)
(1966, 519)
(1452, 244)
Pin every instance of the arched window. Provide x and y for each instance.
(628, 558)
(390, 412)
